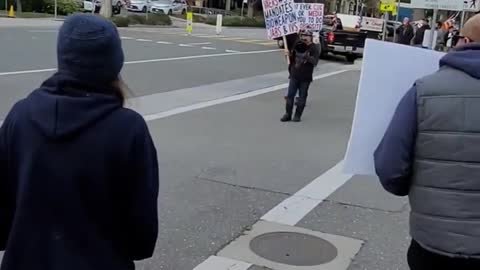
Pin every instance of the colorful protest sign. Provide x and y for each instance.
(309, 16)
(280, 18)
(381, 87)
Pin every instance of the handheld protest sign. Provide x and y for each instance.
(309, 16)
(280, 20)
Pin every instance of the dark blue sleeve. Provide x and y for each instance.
(4, 224)
(393, 157)
(143, 190)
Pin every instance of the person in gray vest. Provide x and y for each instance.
(431, 153)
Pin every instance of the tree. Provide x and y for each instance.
(251, 8)
(19, 6)
(106, 9)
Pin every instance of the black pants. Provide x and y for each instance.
(422, 259)
(298, 86)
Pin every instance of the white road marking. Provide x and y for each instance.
(208, 48)
(147, 61)
(43, 31)
(208, 36)
(164, 42)
(296, 207)
(185, 45)
(268, 43)
(232, 38)
(220, 263)
(143, 40)
(200, 43)
(232, 51)
(201, 105)
(126, 38)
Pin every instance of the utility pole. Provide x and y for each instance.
(106, 9)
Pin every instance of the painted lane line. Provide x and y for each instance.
(205, 104)
(148, 61)
(221, 263)
(295, 208)
(208, 36)
(127, 38)
(231, 51)
(268, 43)
(209, 48)
(232, 38)
(200, 43)
(43, 31)
(143, 40)
(185, 45)
(163, 42)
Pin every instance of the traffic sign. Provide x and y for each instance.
(387, 7)
(438, 4)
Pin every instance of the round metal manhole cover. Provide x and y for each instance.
(293, 248)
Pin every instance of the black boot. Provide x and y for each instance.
(288, 111)
(298, 114)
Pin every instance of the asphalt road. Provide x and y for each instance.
(213, 105)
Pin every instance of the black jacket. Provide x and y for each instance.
(404, 34)
(303, 61)
(78, 182)
(418, 39)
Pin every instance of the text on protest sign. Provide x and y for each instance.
(309, 16)
(280, 18)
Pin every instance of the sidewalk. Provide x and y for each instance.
(19, 22)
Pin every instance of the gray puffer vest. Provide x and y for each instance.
(445, 188)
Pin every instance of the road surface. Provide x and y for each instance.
(228, 166)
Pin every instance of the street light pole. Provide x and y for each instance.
(56, 7)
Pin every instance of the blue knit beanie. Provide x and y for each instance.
(89, 48)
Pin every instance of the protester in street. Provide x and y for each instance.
(420, 33)
(449, 38)
(440, 36)
(303, 60)
(78, 171)
(430, 153)
(405, 32)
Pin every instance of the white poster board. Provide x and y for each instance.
(438, 4)
(309, 16)
(427, 38)
(371, 24)
(387, 74)
(471, 5)
(280, 18)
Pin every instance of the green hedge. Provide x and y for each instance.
(120, 21)
(196, 18)
(236, 21)
(153, 19)
(65, 7)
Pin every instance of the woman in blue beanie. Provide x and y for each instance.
(78, 172)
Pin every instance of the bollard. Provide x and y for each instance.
(219, 23)
(189, 22)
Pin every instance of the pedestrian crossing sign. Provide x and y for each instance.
(387, 7)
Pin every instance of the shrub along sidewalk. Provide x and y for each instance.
(237, 21)
(153, 19)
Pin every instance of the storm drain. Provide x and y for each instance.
(293, 248)
(283, 247)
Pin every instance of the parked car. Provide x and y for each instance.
(139, 5)
(170, 7)
(116, 5)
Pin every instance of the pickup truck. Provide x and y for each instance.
(333, 39)
(348, 43)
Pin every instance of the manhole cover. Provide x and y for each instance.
(293, 248)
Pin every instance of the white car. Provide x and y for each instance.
(116, 5)
(139, 5)
(169, 7)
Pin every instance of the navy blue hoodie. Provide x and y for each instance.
(78, 182)
(394, 155)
